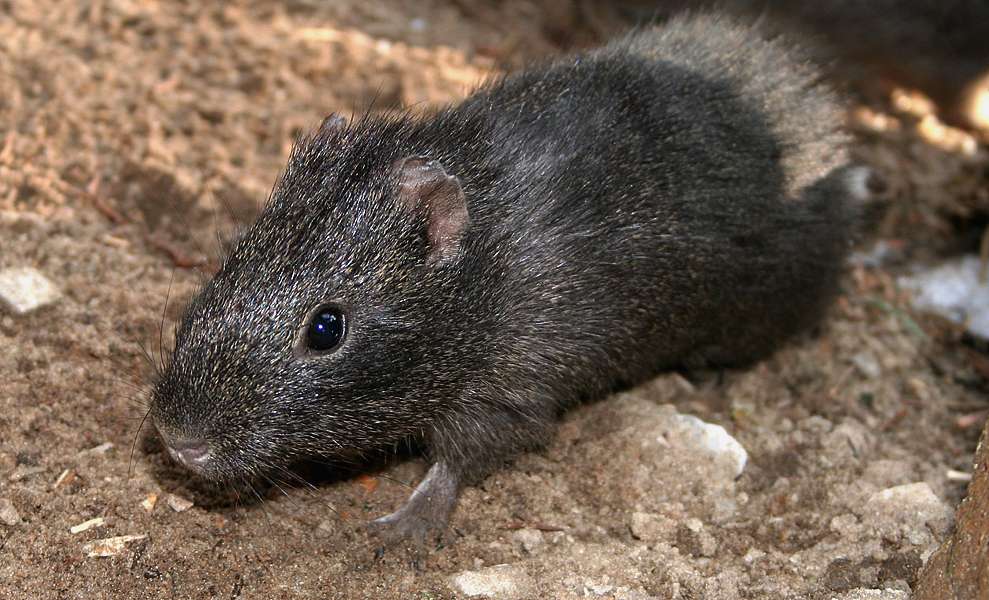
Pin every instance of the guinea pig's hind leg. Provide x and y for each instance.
(425, 513)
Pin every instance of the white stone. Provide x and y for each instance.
(24, 289)
(500, 582)
(867, 364)
(178, 503)
(753, 555)
(597, 589)
(911, 498)
(912, 511)
(712, 439)
(954, 291)
(881, 253)
(531, 540)
(661, 456)
(815, 424)
(652, 527)
(867, 594)
(8, 513)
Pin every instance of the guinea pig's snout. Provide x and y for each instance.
(191, 453)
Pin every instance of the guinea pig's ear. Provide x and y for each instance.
(424, 185)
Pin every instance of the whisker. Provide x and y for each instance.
(294, 476)
(214, 209)
(133, 446)
(386, 477)
(358, 470)
(236, 492)
(135, 418)
(310, 490)
(130, 385)
(161, 325)
(133, 397)
(264, 508)
(291, 500)
(151, 361)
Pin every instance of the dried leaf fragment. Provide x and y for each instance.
(65, 478)
(86, 525)
(148, 504)
(110, 546)
(368, 483)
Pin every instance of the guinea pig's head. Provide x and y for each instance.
(322, 332)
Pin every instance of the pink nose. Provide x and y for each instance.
(191, 453)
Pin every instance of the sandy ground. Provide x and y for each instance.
(135, 137)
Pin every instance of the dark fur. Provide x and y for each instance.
(677, 197)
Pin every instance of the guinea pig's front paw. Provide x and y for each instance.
(424, 516)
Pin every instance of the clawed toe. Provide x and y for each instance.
(398, 528)
(422, 520)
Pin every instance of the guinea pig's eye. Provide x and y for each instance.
(325, 330)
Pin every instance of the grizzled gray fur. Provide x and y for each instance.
(679, 197)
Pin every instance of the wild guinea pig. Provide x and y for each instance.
(679, 197)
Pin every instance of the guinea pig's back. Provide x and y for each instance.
(698, 110)
(651, 194)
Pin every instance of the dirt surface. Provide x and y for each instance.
(135, 137)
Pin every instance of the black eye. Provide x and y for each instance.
(325, 330)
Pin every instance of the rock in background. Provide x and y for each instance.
(960, 569)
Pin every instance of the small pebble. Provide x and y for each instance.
(115, 242)
(531, 540)
(110, 546)
(882, 253)
(873, 594)
(955, 291)
(24, 289)
(86, 525)
(694, 540)
(8, 514)
(652, 527)
(500, 582)
(912, 512)
(867, 364)
(148, 504)
(178, 503)
(954, 475)
(23, 472)
(713, 439)
(598, 589)
(101, 449)
(753, 555)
